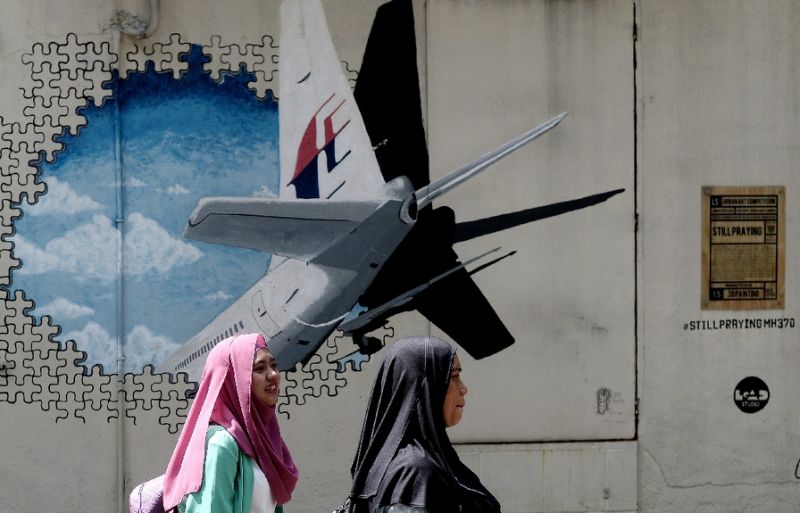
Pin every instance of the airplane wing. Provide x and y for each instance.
(325, 151)
(298, 229)
(471, 229)
(428, 193)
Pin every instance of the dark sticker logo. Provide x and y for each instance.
(751, 394)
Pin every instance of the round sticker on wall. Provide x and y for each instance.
(751, 394)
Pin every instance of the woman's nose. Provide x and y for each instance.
(464, 389)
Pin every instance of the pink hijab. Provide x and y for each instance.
(224, 398)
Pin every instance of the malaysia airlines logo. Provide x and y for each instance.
(306, 170)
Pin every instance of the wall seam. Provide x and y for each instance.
(634, 42)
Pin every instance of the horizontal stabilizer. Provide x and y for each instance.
(292, 228)
(369, 316)
(425, 195)
(471, 229)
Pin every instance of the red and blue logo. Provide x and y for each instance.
(306, 171)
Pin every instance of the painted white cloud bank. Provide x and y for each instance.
(148, 247)
(63, 308)
(90, 250)
(61, 200)
(34, 259)
(142, 347)
(99, 346)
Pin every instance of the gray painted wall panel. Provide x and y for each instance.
(717, 103)
(494, 70)
(717, 106)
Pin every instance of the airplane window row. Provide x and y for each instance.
(208, 345)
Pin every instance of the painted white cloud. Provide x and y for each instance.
(134, 183)
(90, 250)
(143, 347)
(100, 347)
(61, 199)
(176, 190)
(63, 308)
(148, 247)
(219, 295)
(264, 192)
(34, 259)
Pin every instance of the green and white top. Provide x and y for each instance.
(232, 482)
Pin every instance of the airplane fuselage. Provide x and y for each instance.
(298, 304)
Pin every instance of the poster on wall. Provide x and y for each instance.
(743, 255)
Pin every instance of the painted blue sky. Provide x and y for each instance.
(181, 140)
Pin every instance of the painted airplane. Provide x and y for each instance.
(354, 235)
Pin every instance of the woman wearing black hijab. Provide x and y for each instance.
(405, 458)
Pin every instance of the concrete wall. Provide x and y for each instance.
(567, 295)
(706, 94)
(717, 105)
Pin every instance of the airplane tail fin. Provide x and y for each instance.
(325, 151)
(425, 195)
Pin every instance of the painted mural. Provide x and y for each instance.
(111, 160)
(179, 140)
(172, 204)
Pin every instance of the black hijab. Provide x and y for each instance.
(404, 454)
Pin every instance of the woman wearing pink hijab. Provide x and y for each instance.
(230, 457)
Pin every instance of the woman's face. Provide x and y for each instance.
(454, 399)
(266, 379)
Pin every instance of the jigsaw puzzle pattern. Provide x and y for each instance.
(63, 77)
(164, 56)
(36, 369)
(324, 374)
(259, 59)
